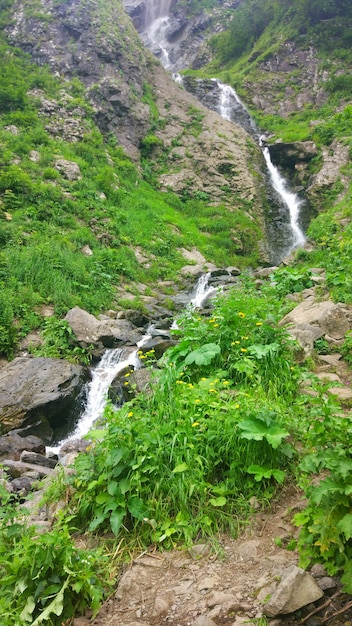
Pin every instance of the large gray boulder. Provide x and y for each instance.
(310, 320)
(31, 387)
(296, 589)
(101, 333)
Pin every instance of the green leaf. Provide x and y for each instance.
(203, 355)
(27, 613)
(56, 606)
(99, 519)
(136, 507)
(260, 351)
(220, 501)
(96, 434)
(266, 472)
(124, 485)
(181, 467)
(116, 520)
(257, 429)
(345, 526)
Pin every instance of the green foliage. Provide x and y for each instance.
(45, 579)
(291, 280)
(59, 342)
(187, 458)
(7, 328)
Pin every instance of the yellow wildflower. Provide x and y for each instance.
(197, 401)
(195, 424)
(130, 414)
(243, 349)
(241, 314)
(212, 390)
(259, 324)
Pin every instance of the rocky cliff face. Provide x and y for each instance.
(96, 41)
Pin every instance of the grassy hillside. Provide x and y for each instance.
(71, 239)
(227, 422)
(292, 65)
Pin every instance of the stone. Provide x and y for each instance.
(248, 550)
(11, 445)
(329, 317)
(68, 169)
(101, 333)
(163, 603)
(296, 589)
(17, 468)
(37, 459)
(203, 620)
(34, 387)
(199, 550)
(326, 582)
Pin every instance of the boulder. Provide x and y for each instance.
(331, 318)
(11, 445)
(32, 387)
(296, 589)
(101, 333)
(288, 154)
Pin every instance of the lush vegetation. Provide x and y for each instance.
(227, 423)
(47, 220)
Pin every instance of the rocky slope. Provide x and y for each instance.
(97, 43)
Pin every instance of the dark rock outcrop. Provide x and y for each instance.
(31, 387)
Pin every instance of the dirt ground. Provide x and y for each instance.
(226, 583)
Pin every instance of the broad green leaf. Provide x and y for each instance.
(27, 613)
(116, 520)
(266, 472)
(257, 430)
(21, 585)
(136, 507)
(345, 525)
(124, 485)
(56, 606)
(99, 519)
(96, 434)
(220, 501)
(245, 366)
(181, 467)
(203, 355)
(259, 351)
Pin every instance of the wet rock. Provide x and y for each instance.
(296, 589)
(31, 387)
(159, 345)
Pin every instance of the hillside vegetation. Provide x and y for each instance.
(227, 422)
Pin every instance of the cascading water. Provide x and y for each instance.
(113, 362)
(157, 21)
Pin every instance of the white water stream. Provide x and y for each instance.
(157, 23)
(113, 362)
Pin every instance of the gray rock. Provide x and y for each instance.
(163, 603)
(17, 468)
(296, 589)
(69, 169)
(326, 582)
(11, 445)
(30, 387)
(37, 459)
(101, 333)
(203, 620)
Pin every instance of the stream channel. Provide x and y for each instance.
(284, 232)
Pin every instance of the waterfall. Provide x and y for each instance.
(231, 108)
(112, 362)
(157, 22)
(202, 292)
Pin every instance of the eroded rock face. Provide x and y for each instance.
(30, 387)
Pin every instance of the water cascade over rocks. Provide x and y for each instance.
(284, 233)
(115, 361)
